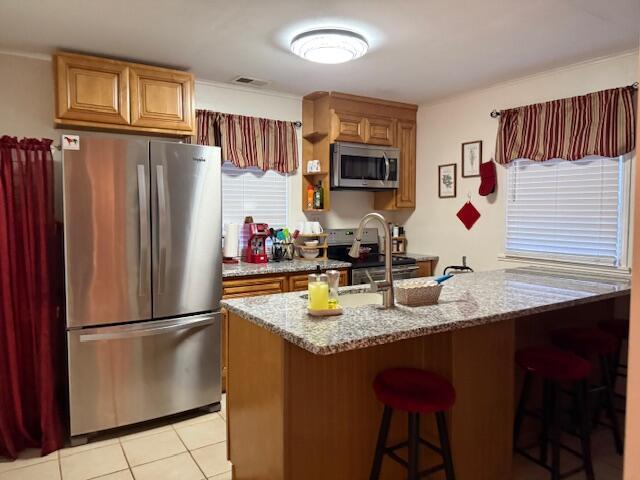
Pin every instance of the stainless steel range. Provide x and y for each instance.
(370, 264)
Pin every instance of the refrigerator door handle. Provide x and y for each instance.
(159, 328)
(162, 228)
(143, 210)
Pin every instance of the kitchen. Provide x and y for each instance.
(429, 236)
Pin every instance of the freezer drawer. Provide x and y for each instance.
(131, 373)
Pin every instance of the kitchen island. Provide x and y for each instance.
(300, 403)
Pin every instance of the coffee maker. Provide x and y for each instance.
(256, 237)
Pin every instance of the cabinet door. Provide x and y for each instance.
(161, 99)
(298, 283)
(425, 269)
(379, 131)
(406, 193)
(91, 90)
(349, 127)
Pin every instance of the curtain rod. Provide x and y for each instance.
(496, 113)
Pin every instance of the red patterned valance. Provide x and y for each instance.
(250, 141)
(601, 123)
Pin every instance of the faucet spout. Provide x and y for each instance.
(386, 287)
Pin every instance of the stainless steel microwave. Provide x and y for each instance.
(364, 167)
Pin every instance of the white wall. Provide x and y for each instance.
(26, 97)
(443, 126)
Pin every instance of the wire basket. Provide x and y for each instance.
(417, 293)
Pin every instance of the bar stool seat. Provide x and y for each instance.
(585, 341)
(553, 364)
(414, 390)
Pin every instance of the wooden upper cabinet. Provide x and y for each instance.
(330, 117)
(161, 98)
(92, 90)
(379, 131)
(405, 195)
(105, 94)
(349, 127)
(406, 192)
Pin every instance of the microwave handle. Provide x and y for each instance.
(386, 167)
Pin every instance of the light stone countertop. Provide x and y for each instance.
(244, 269)
(420, 257)
(466, 300)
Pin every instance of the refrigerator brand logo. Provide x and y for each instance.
(199, 159)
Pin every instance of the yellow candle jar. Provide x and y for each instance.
(318, 292)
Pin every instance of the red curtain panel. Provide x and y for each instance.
(30, 333)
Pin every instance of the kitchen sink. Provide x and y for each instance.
(357, 299)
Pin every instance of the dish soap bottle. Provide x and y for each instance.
(318, 197)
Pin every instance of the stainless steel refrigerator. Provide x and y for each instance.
(142, 223)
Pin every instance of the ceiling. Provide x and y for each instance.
(420, 49)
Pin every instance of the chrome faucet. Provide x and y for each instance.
(386, 286)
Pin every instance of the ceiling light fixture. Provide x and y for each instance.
(329, 45)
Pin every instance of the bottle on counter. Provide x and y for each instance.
(318, 197)
(310, 196)
(333, 277)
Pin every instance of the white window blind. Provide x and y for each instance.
(252, 192)
(572, 211)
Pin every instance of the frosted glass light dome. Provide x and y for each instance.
(329, 45)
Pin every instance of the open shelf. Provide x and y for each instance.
(316, 210)
(316, 174)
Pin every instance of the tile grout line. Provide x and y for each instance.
(204, 475)
(107, 474)
(126, 459)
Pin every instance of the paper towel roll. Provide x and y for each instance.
(231, 239)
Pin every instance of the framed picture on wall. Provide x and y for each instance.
(471, 158)
(447, 180)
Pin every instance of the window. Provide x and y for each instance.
(262, 195)
(569, 211)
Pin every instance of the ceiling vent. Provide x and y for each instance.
(252, 82)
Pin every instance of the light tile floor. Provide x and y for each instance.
(195, 449)
(192, 448)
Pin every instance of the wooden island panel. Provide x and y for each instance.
(321, 414)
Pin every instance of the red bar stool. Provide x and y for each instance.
(415, 392)
(593, 343)
(619, 328)
(555, 368)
